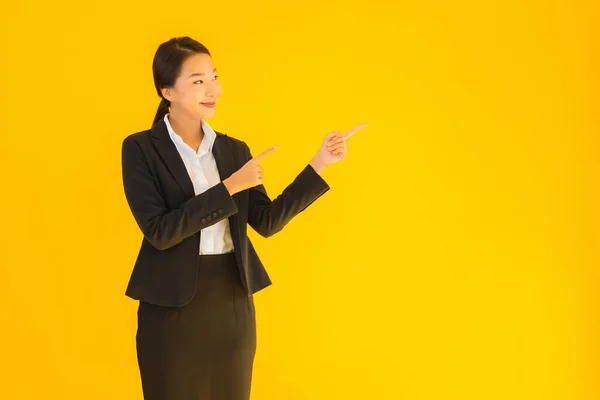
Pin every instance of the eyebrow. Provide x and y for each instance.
(200, 73)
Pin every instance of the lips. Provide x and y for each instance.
(210, 105)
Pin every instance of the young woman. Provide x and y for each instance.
(193, 192)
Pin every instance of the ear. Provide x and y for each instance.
(166, 92)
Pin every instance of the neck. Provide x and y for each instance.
(190, 129)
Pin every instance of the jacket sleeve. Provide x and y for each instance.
(165, 228)
(267, 216)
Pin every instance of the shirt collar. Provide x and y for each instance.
(207, 143)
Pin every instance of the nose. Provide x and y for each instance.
(214, 89)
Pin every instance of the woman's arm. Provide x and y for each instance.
(161, 227)
(267, 216)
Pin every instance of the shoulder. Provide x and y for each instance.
(136, 144)
(238, 148)
(138, 137)
(233, 141)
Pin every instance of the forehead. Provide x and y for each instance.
(197, 63)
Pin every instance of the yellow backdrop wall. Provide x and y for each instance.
(456, 256)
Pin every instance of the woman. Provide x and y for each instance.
(192, 192)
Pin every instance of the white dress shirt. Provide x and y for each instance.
(202, 169)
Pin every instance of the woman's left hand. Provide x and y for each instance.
(334, 148)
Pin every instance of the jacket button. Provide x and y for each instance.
(203, 220)
(209, 218)
(220, 211)
(215, 214)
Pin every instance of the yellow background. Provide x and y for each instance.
(456, 256)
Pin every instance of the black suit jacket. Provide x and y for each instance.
(161, 197)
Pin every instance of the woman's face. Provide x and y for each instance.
(197, 89)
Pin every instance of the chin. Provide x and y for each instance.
(202, 114)
(207, 114)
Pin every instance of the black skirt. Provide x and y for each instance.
(205, 349)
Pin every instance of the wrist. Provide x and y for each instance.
(229, 185)
(318, 165)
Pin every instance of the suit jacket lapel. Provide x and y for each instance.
(167, 150)
(223, 154)
(225, 165)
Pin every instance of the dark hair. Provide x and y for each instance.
(166, 67)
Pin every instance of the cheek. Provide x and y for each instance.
(194, 96)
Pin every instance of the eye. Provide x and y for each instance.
(201, 81)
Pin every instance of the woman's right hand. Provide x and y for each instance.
(248, 176)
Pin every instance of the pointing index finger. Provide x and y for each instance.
(264, 154)
(354, 130)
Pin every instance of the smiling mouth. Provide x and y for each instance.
(209, 104)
